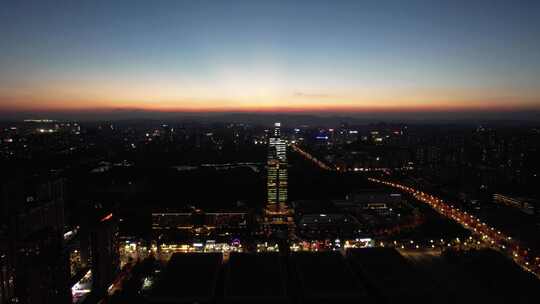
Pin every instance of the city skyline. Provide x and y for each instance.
(151, 206)
(250, 151)
(301, 57)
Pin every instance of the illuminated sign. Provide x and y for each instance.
(107, 217)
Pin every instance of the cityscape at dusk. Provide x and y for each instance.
(209, 152)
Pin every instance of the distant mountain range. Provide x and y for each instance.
(263, 118)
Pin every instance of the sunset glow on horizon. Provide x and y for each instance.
(251, 56)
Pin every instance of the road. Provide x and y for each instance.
(312, 158)
(493, 237)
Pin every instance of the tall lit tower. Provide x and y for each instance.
(277, 211)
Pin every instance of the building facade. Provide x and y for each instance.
(277, 168)
(277, 211)
(33, 265)
(105, 253)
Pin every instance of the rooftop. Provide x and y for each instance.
(390, 275)
(325, 277)
(255, 278)
(188, 278)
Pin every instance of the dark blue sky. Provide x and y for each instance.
(270, 55)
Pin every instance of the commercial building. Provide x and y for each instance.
(526, 205)
(277, 211)
(277, 169)
(196, 222)
(380, 202)
(328, 226)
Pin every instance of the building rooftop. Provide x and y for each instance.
(472, 274)
(255, 278)
(328, 219)
(390, 275)
(188, 278)
(325, 277)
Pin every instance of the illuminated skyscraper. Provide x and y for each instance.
(277, 211)
(277, 168)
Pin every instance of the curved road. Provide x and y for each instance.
(495, 238)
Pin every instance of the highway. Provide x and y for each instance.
(312, 158)
(493, 237)
(489, 235)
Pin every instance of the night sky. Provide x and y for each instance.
(270, 56)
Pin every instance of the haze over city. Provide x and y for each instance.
(140, 59)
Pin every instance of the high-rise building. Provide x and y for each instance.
(277, 211)
(99, 246)
(33, 265)
(104, 249)
(277, 168)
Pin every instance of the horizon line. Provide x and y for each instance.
(281, 109)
